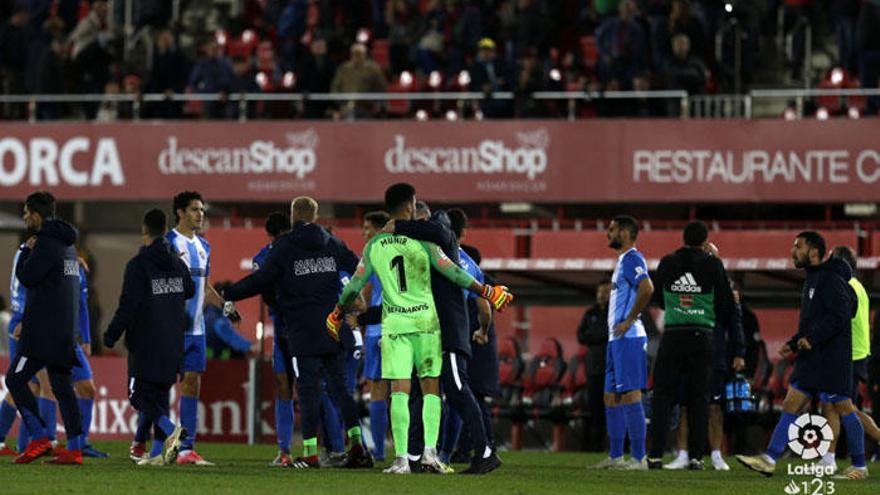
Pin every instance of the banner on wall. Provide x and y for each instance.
(587, 161)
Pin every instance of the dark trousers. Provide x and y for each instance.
(152, 400)
(22, 369)
(594, 428)
(682, 353)
(309, 371)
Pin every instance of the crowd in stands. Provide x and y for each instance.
(343, 46)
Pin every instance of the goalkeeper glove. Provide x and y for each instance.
(498, 296)
(230, 312)
(334, 323)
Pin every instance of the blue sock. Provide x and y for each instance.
(7, 417)
(855, 438)
(166, 425)
(379, 427)
(49, 413)
(143, 429)
(189, 410)
(332, 426)
(75, 442)
(23, 437)
(636, 427)
(451, 430)
(779, 440)
(158, 446)
(35, 429)
(616, 430)
(284, 423)
(85, 410)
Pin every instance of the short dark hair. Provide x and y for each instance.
(182, 201)
(458, 221)
(156, 222)
(627, 222)
(377, 218)
(41, 202)
(277, 223)
(695, 233)
(845, 253)
(814, 240)
(473, 252)
(398, 195)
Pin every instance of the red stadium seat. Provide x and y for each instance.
(589, 51)
(574, 384)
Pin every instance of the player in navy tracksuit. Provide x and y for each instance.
(823, 344)
(455, 336)
(483, 364)
(48, 268)
(152, 314)
(303, 267)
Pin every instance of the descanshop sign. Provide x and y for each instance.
(489, 156)
(259, 157)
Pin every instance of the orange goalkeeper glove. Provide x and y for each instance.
(334, 323)
(498, 296)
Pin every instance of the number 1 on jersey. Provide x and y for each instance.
(397, 263)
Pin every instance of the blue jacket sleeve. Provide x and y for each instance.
(85, 329)
(837, 299)
(130, 300)
(258, 281)
(226, 332)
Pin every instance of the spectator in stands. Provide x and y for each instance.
(529, 79)
(290, 28)
(681, 20)
(593, 333)
(799, 14)
(15, 36)
(108, 111)
(359, 75)
(868, 41)
(243, 81)
(168, 75)
(623, 48)
(92, 52)
(845, 15)
(683, 71)
(432, 44)
(315, 74)
(212, 75)
(403, 33)
(50, 76)
(112, 109)
(489, 75)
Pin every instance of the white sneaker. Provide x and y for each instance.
(158, 460)
(679, 463)
(610, 463)
(853, 473)
(431, 462)
(399, 466)
(719, 464)
(634, 465)
(826, 462)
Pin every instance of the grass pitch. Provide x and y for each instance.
(242, 469)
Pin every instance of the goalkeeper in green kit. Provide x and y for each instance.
(410, 326)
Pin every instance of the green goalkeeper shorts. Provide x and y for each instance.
(402, 352)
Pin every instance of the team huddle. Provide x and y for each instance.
(418, 295)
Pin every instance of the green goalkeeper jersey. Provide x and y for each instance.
(403, 266)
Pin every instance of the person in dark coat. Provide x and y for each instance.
(48, 268)
(152, 314)
(455, 337)
(823, 364)
(303, 267)
(593, 333)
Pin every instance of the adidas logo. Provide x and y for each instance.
(686, 284)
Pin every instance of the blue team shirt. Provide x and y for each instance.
(631, 269)
(375, 300)
(469, 265)
(259, 260)
(18, 299)
(197, 257)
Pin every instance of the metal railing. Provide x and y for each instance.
(713, 106)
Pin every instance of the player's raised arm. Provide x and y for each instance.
(499, 296)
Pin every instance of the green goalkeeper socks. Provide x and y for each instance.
(431, 419)
(310, 447)
(400, 422)
(354, 435)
